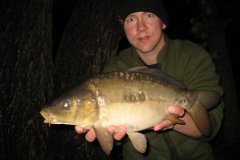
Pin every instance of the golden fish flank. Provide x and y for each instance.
(138, 100)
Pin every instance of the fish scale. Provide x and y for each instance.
(135, 99)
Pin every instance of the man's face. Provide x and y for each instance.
(144, 32)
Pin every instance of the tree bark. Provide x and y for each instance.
(25, 77)
(89, 39)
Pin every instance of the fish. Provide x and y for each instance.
(135, 98)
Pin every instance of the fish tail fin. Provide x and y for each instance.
(208, 99)
(203, 101)
(200, 118)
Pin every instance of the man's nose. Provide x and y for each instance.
(141, 25)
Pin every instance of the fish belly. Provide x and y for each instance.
(136, 116)
(138, 104)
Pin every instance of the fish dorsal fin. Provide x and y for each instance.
(138, 140)
(104, 138)
(157, 74)
(136, 68)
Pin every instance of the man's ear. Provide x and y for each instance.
(164, 26)
(120, 20)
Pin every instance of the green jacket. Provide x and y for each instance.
(193, 66)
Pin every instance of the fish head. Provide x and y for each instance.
(77, 107)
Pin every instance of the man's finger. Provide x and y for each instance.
(80, 129)
(177, 110)
(120, 133)
(90, 136)
(166, 124)
(112, 129)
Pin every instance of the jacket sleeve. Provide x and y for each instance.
(114, 64)
(201, 75)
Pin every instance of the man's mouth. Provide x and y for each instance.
(144, 38)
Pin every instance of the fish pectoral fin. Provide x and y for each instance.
(174, 119)
(104, 138)
(138, 140)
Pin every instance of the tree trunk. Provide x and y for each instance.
(25, 77)
(89, 39)
(228, 140)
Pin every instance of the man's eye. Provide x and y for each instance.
(129, 20)
(150, 15)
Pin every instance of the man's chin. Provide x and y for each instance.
(143, 50)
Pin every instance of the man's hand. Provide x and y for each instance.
(117, 132)
(167, 124)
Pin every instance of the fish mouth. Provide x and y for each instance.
(50, 119)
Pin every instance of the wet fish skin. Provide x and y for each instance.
(138, 100)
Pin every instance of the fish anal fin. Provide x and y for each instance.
(174, 119)
(138, 140)
(104, 138)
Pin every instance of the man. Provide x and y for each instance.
(143, 22)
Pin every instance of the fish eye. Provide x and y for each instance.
(66, 104)
(78, 101)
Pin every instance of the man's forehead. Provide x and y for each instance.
(139, 13)
(125, 7)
